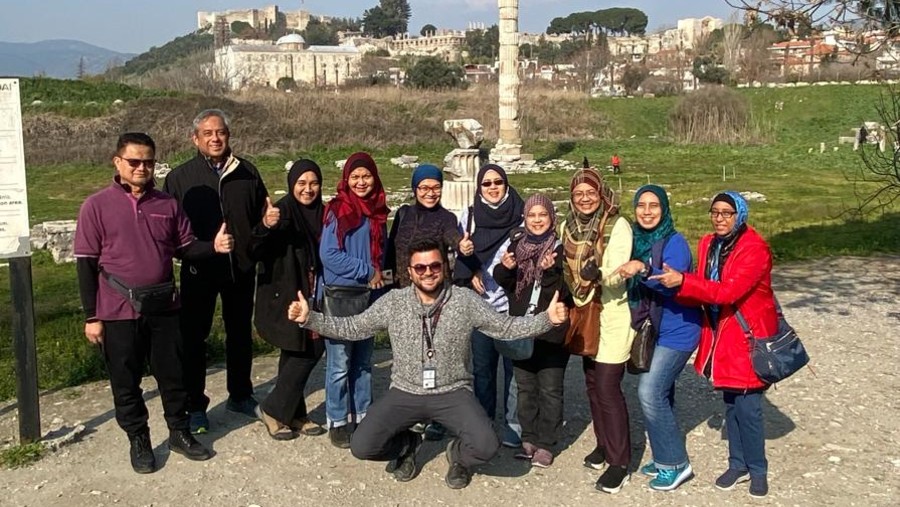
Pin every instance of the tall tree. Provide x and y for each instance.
(389, 17)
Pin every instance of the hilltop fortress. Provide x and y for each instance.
(260, 19)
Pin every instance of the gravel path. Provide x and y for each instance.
(833, 437)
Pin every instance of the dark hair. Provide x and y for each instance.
(424, 244)
(134, 138)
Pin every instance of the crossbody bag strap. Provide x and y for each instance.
(117, 284)
(743, 323)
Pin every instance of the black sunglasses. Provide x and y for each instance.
(434, 267)
(497, 183)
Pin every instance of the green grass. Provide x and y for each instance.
(78, 98)
(22, 455)
(802, 216)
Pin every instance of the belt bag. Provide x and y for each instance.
(146, 299)
(345, 301)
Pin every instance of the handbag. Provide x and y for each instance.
(146, 299)
(583, 335)
(645, 320)
(775, 357)
(345, 301)
(642, 347)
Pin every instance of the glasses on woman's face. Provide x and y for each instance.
(590, 195)
(434, 267)
(714, 214)
(493, 183)
(425, 190)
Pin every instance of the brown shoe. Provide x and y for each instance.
(306, 427)
(276, 429)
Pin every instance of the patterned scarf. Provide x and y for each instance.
(532, 248)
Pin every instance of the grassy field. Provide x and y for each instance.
(803, 216)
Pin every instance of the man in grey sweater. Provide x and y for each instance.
(430, 324)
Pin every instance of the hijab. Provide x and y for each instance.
(583, 232)
(722, 246)
(420, 174)
(645, 238)
(349, 209)
(530, 250)
(493, 222)
(305, 220)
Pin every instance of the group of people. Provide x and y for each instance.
(506, 286)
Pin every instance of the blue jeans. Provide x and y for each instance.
(348, 380)
(484, 368)
(746, 435)
(656, 391)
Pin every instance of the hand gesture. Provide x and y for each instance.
(223, 242)
(466, 246)
(377, 281)
(478, 283)
(590, 272)
(630, 268)
(548, 260)
(94, 332)
(557, 311)
(669, 278)
(272, 214)
(508, 260)
(298, 311)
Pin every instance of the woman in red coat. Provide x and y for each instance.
(734, 274)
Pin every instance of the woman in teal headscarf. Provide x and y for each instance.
(658, 244)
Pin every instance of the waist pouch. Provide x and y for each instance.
(146, 299)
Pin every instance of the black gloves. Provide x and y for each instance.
(590, 272)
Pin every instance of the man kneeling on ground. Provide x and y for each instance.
(430, 324)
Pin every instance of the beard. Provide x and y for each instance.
(439, 286)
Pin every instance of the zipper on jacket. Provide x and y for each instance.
(225, 220)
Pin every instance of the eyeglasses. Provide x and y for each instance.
(134, 163)
(434, 267)
(429, 190)
(493, 183)
(722, 214)
(590, 194)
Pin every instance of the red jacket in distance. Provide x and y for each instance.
(615, 160)
(746, 283)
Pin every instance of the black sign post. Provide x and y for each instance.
(25, 349)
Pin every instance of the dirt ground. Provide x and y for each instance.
(833, 438)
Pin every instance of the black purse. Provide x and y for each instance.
(642, 347)
(643, 319)
(775, 357)
(146, 299)
(345, 301)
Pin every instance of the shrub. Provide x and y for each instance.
(433, 73)
(718, 115)
(286, 84)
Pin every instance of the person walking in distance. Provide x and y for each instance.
(213, 188)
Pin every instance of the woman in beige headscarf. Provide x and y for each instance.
(590, 271)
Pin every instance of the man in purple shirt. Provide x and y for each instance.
(126, 238)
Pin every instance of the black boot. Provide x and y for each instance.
(182, 442)
(404, 467)
(142, 459)
(340, 436)
(458, 476)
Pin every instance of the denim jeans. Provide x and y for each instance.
(656, 391)
(348, 380)
(746, 435)
(484, 368)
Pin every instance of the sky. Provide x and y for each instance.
(133, 27)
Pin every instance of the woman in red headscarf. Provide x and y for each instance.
(352, 249)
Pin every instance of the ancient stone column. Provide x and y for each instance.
(510, 140)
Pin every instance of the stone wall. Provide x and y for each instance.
(58, 236)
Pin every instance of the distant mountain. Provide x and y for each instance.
(56, 58)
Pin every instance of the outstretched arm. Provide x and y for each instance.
(357, 327)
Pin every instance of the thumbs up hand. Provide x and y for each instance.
(298, 311)
(272, 214)
(670, 278)
(466, 246)
(557, 311)
(223, 243)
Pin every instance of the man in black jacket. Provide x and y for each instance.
(216, 187)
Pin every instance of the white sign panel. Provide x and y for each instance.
(15, 238)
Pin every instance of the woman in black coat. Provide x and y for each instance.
(286, 243)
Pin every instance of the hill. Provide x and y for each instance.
(56, 58)
(167, 54)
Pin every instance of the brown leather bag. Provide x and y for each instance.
(583, 335)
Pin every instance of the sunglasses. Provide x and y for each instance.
(493, 183)
(434, 267)
(134, 163)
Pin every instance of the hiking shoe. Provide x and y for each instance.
(759, 486)
(670, 479)
(435, 431)
(650, 469)
(613, 479)
(511, 439)
(542, 458)
(143, 461)
(527, 451)
(247, 406)
(596, 459)
(731, 478)
(458, 476)
(340, 436)
(182, 442)
(199, 422)
(404, 467)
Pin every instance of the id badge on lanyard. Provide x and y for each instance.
(429, 373)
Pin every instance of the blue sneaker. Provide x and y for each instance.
(669, 479)
(511, 439)
(199, 423)
(650, 470)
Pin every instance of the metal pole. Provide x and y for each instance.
(25, 349)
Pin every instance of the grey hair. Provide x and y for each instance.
(207, 113)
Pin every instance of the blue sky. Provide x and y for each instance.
(135, 26)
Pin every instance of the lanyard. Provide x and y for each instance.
(428, 333)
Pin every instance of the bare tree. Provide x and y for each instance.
(731, 46)
(877, 181)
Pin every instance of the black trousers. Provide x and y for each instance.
(127, 345)
(540, 380)
(287, 401)
(198, 305)
(609, 412)
(380, 435)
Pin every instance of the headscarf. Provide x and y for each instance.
(349, 209)
(492, 221)
(722, 246)
(583, 232)
(426, 172)
(530, 250)
(305, 220)
(645, 238)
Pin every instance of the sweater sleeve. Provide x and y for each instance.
(337, 260)
(357, 327)
(677, 255)
(744, 270)
(617, 253)
(501, 326)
